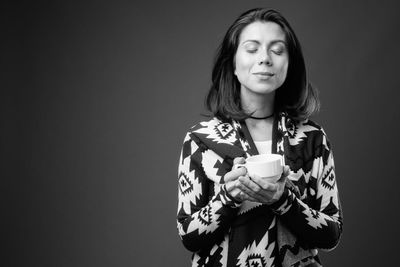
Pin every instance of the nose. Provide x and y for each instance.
(265, 58)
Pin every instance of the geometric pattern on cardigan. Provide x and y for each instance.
(208, 220)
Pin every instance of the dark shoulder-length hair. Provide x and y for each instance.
(296, 97)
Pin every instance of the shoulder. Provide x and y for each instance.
(304, 132)
(214, 129)
(310, 126)
(307, 140)
(315, 127)
(205, 124)
(314, 133)
(213, 124)
(205, 127)
(304, 128)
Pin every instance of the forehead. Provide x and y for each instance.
(262, 32)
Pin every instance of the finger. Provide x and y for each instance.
(234, 174)
(233, 187)
(245, 196)
(247, 182)
(238, 163)
(282, 179)
(236, 194)
(249, 187)
(261, 196)
(264, 183)
(248, 194)
(285, 174)
(239, 160)
(230, 187)
(286, 171)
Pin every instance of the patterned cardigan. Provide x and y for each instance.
(222, 232)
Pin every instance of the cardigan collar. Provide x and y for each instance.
(232, 139)
(252, 148)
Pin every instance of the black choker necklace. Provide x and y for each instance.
(262, 118)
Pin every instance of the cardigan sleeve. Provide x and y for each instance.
(203, 217)
(317, 219)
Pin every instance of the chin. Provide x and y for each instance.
(264, 91)
(259, 89)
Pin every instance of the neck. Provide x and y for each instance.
(261, 104)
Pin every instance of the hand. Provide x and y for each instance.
(232, 183)
(261, 190)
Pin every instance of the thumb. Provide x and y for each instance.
(239, 160)
(285, 174)
(286, 171)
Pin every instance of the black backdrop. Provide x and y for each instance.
(96, 98)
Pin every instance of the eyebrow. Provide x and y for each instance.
(271, 43)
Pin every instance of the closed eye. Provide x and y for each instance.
(251, 51)
(277, 52)
(278, 49)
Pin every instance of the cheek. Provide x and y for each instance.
(283, 70)
(242, 64)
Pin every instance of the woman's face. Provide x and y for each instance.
(262, 58)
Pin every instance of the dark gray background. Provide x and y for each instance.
(96, 98)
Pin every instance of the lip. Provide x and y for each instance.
(264, 73)
(264, 76)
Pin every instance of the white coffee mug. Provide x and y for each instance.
(266, 166)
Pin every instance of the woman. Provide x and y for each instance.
(261, 101)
